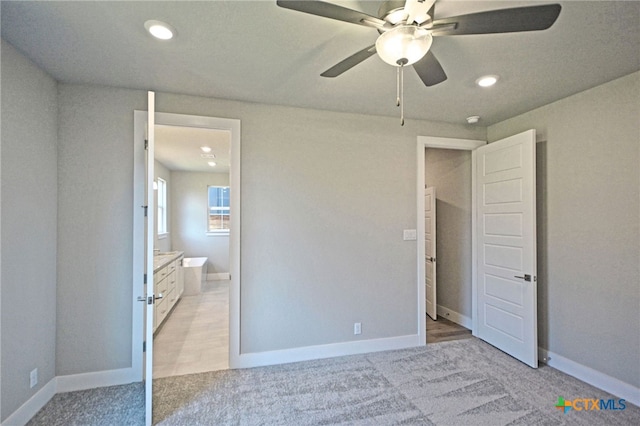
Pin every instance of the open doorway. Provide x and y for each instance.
(503, 242)
(446, 164)
(140, 203)
(192, 192)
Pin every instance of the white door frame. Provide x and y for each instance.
(442, 143)
(233, 125)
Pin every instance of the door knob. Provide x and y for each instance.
(150, 299)
(526, 277)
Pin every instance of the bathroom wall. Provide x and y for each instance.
(164, 243)
(188, 202)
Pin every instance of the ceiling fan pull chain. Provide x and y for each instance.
(401, 94)
(398, 86)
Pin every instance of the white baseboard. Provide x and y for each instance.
(307, 353)
(22, 415)
(218, 276)
(70, 383)
(589, 375)
(98, 379)
(454, 316)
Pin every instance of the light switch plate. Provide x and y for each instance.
(409, 235)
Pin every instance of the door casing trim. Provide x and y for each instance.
(441, 143)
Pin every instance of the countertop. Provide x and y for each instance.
(161, 260)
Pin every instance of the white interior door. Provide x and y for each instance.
(148, 258)
(430, 251)
(506, 246)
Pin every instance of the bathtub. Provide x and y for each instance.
(195, 273)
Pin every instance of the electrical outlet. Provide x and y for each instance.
(409, 235)
(357, 328)
(33, 377)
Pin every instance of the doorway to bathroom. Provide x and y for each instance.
(191, 171)
(188, 210)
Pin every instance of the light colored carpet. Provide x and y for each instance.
(114, 405)
(464, 382)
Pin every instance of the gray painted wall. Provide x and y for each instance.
(189, 220)
(588, 225)
(95, 225)
(29, 210)
(299, 256)
(164, 244)
(450, 172)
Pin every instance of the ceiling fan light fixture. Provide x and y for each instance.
(403, 45)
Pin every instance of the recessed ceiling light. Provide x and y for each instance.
(160, 30)
(212, 163)
(205, 149)
(473, 119)
(208, 155)
(487, 80)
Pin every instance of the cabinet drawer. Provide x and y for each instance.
(160, 275)
(162, 309)
(173, 297)
(162, 286)
(171, 281)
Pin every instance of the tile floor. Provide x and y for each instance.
(195, 337)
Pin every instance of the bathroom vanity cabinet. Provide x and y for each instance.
(169, 282)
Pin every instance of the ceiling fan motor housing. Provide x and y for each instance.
(393, 11)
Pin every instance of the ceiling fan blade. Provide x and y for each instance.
(429, 70)
(531, 18)
(333, 11)
(350, 62)
(432, 11)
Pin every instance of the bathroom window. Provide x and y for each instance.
(162, 207)
(218, 218)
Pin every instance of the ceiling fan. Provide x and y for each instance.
(407, 29)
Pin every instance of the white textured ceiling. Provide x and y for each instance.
(255, 51)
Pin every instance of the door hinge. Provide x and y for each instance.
(146, 208)
(144, 346)
(146, 144)
(145, 279)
